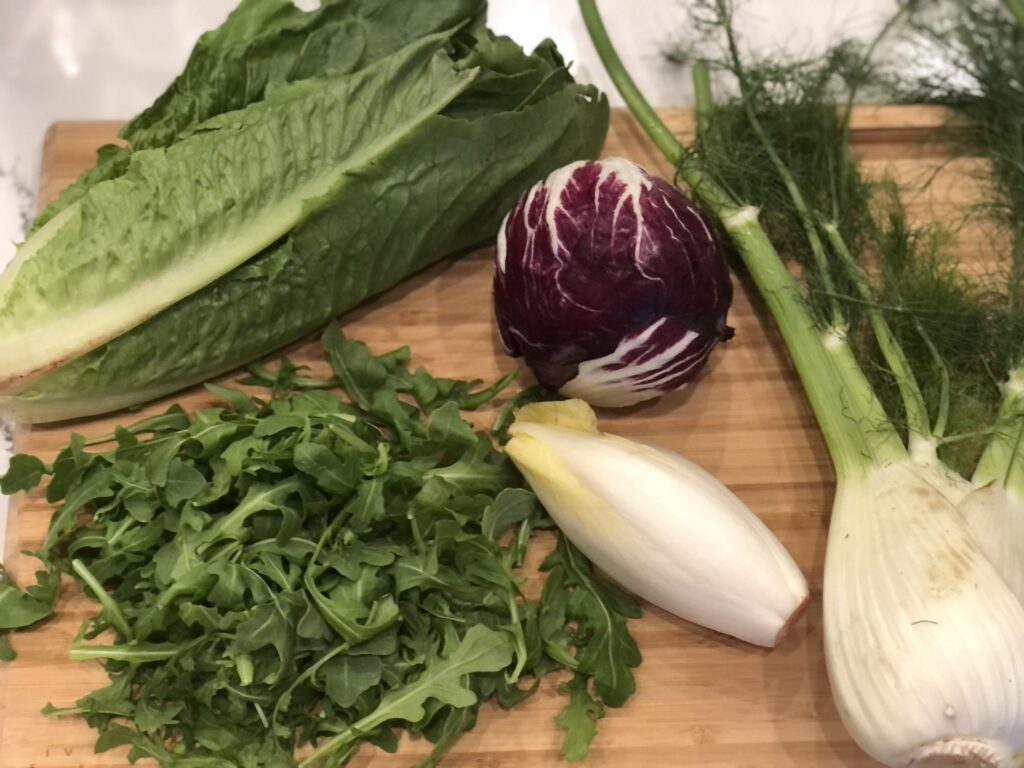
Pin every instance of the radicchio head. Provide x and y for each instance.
(610, 284)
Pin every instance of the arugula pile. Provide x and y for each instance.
(313, 570)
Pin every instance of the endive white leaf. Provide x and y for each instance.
(658, 524)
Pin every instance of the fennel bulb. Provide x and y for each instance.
(994, 507)
(658, 524)
(922, 635)
(995, 516)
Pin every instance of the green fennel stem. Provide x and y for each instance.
(851, 95)
(1016, 268)
(689, 169)
(1003, 459)
(836, 401)
(1016, 7)
(913, 401)
(703, 102)
(806, 218)
(945, 383)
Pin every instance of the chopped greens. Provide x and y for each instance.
(578, 719)
(310, 572)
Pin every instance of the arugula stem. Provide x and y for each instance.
(263, 376)
(111, 610)
(519, 641)
(63, 711)
(837, 396)
(457, 722)
(306, 674)
(143, 653)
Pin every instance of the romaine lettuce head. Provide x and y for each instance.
(258, 225)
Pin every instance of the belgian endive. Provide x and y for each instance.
(658, 524)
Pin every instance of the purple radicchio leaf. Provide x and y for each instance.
(610, 284)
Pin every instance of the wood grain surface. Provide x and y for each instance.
(702, 699)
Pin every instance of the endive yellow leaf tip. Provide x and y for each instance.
(568, 414)
(544, 468)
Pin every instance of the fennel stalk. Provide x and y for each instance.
(982, 43)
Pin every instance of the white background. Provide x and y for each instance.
(108, 59)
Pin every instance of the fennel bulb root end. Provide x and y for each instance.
(962, 752)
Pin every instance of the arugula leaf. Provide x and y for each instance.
(447, 427)
(431, 392)
(481, 650)
(330, 473)
(578, 719)
(346, 678)
(605, 650)
(511, 506)
(24, 473)
(360, 373)
(184, 482)
(19, 609)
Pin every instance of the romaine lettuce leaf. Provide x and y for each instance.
(440, 190)
(267, 42)
(181, 217)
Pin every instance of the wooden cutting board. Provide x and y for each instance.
(702, 699)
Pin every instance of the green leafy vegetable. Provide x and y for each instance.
(578, 719)
(262, 44)
(20, 609)
(267, 42)
(24, 473)
(248, 177)
(304, 234)
(481, 650)
(606, 651)
(312, 572)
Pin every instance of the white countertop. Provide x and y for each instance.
(108, 59)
